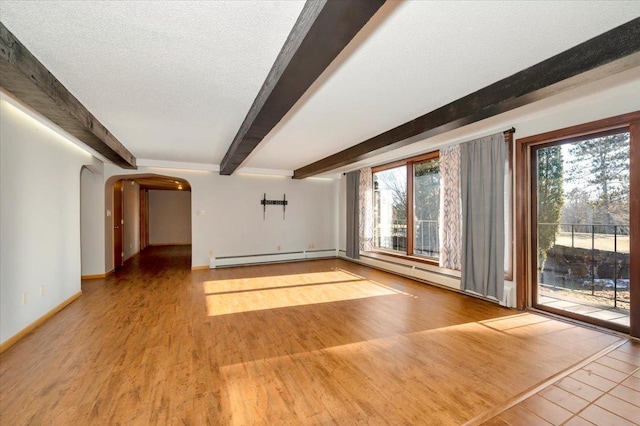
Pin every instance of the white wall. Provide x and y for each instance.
(226, 214)
(169, 217)
(240, 227)
(39, 219)
(131, 216)
(91, 220)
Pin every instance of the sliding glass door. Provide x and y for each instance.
(580, 193)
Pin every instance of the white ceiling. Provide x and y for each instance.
(173, 80)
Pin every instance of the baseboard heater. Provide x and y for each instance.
(431, 277)
(253, 259)
(408, 270)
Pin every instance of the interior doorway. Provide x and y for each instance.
(131, 201)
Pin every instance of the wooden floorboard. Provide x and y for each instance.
(318, 342)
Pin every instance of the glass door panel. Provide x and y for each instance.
(581, 217)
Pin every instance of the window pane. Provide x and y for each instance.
(390, 209)
(426, 184)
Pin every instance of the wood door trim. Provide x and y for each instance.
(604, 124)
(525, 202)
(634, 226)
(521, 218)
(118, 214)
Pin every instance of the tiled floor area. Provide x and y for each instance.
(617, 316)
(604, 392)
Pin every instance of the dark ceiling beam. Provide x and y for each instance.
(321, 32)
(30, 82)
(612, 52)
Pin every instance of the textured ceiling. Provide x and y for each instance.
(424, 55)
(173, 81)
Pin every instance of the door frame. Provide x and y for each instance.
(109, 222)
(525, 260)
(118, 228)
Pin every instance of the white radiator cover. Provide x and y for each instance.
(409, 270)
(421, 273)
(270, 258)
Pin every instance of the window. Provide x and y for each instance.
(426, 207)
(407, 206)
(390, 209)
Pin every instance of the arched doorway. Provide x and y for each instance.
(138, 208)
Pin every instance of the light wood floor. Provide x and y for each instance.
(320, 342)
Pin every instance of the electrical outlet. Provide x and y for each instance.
(24, 298)
(312, 246)
(278, 248)
(41, 290)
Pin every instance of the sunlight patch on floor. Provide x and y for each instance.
(528, 325)
(424, 367)
(253, 294)
(515, 321)
(257, 283)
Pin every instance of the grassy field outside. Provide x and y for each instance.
(600, 241)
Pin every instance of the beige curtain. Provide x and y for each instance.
(365, 196)
(450, 218)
